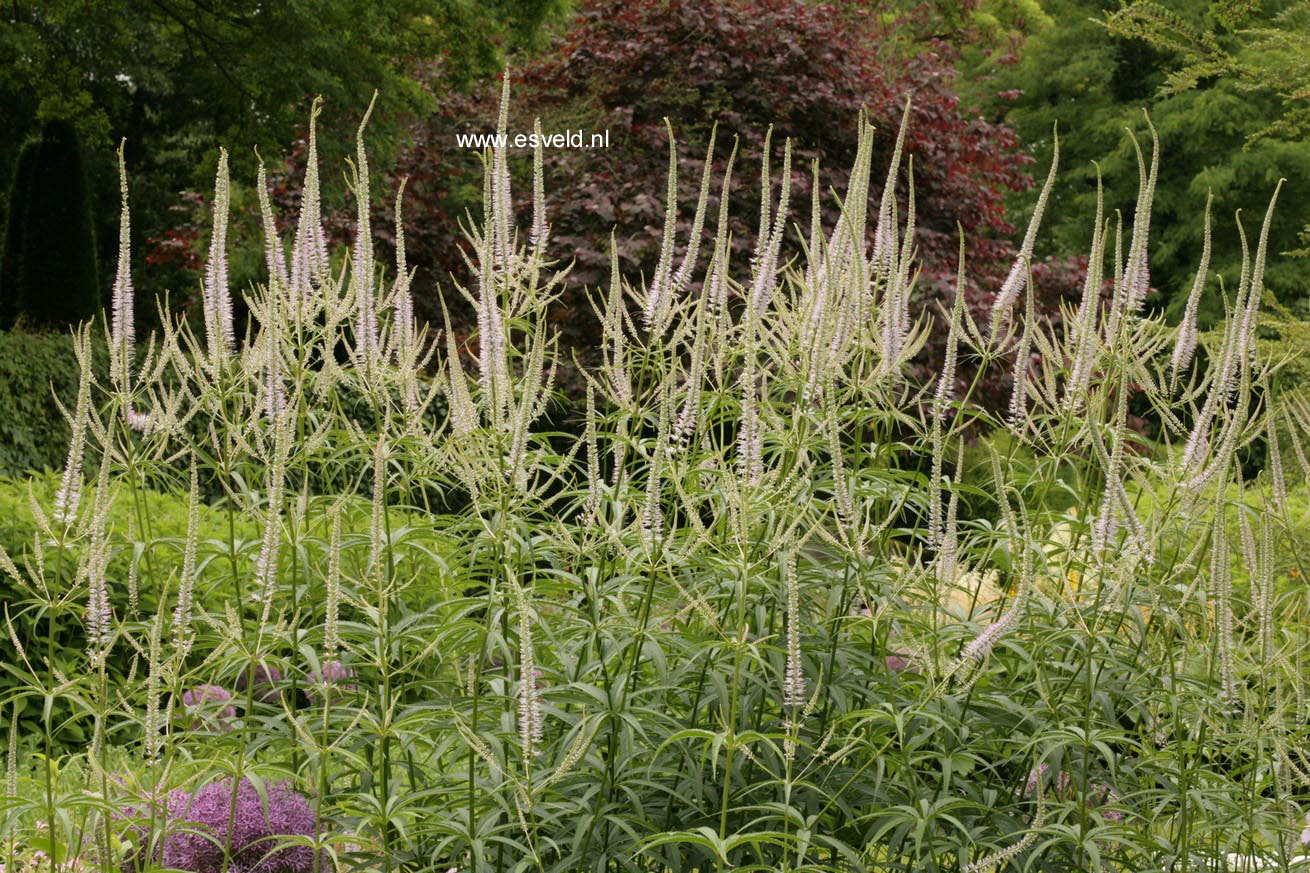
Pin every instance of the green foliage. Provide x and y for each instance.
(1261, 46)
(733, 625)
(11, 266)
(1285, 340)
(175, 79)
(1258, 48)
(1095, 83)
(38, 372)
(58, 282)
(167, 521)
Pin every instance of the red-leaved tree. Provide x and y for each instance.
(808, 70)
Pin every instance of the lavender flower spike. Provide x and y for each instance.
(1185, 346)
(218, 297)
(123, 328)
(361, 268)
(1018, 279)
(309, 257)
(273, 255)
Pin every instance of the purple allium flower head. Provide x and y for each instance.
(267, 680)
(1100, 796)
(901, 660)
(208, 703)
(198, 830)
(1035, 778)
(1060, 784)
(333, 679)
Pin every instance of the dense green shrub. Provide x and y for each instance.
(59, 280)
(1095, 80)
(36, 370)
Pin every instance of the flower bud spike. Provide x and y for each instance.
(1185, 344)
(1021, 270)
(361, 266)
(123, 331)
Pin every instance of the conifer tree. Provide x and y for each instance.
(58, 279)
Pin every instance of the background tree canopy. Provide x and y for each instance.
(1225, 84)
(1095, 81)
(178, 78)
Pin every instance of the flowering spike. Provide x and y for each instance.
(1021, 270)
(68, 497)
(884, 234)
(683, 276)
(531, 717)
(218, 296)
(766, 266)
(332, 611)
(361, 271)
(309, 259)
(274, 258)
(183, 635)
(659, 294)
(896, 299)
(1083, 329)
(123, 331)
(463, 414)
(540, 232)
(793, 693)
(502, 201)
(1018, 395)
(1137, 276)
(620, 384)
(403, 327)
(1185, 346)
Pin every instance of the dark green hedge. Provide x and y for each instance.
(34, 369)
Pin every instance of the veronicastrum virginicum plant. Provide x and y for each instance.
(758, 614)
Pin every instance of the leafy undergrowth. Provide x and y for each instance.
(762, 614)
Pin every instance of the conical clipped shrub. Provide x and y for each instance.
(57, 256)
(15, 226)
